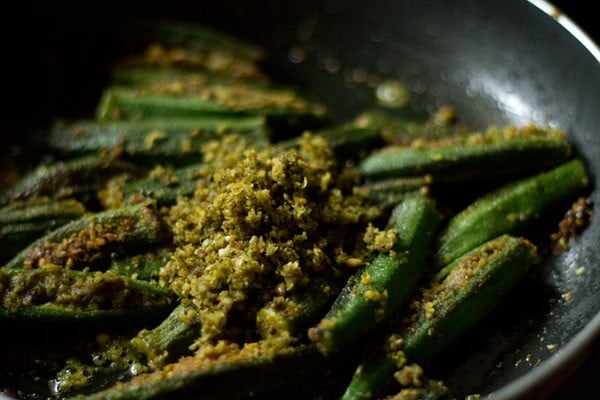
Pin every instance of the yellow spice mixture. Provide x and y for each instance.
(260, 225)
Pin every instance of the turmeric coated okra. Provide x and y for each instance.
(251, 246)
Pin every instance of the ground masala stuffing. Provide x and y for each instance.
(260, 226)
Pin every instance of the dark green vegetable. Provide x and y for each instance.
(21, 222)
(389, 192)
(231, 376)
(167, 100)
(185, 87)
(385, 283)
(165, 187)
(404, 131)
(193, 36)
(78, 178)
(52, 294)
(448, 309)
(170, 339)
(144, 266)
(304, 307)
(497, 153)
(510, 209)
(141, 75)
(169, 140)
(93, 239)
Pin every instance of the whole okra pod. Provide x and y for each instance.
(52, 294)
(169, 140)
(385, 283)
(510, 209)
(446, 310)
(78, 178)
(21, 222)
(493, 154)
(231, 376)
(93, 239)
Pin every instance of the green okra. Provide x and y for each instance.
(303, 308)
(144, 266)
(231, 376)
(164, 186)
(347, 142)
(496, 153)
(386, 282)
(91, 240)
(21, 222)
(446, 310)
(188, 99)
(191, 35)
(389, 192)
(78, 178)
(148, 351)
(403, 131)
(52, 293)
(170, 339)
(169, 140)
(509, 209)
(143, 75)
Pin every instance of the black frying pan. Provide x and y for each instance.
(496, 62)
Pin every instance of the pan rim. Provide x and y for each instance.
(565, 363)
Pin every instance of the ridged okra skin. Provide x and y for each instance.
(141, 103)
(79, 178)
(93, 239)
(475, 286)
(170, 339)
(170, 140)
(235, 377)
(473, 157)
(386, 282)
(21, 222)
(404, 130)
(181, 182)
(52, 294)
(143, 265)
(510, 209)
(387, 193)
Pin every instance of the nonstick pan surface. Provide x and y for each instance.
(495, 62)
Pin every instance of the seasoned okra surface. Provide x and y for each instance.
(210, 233)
